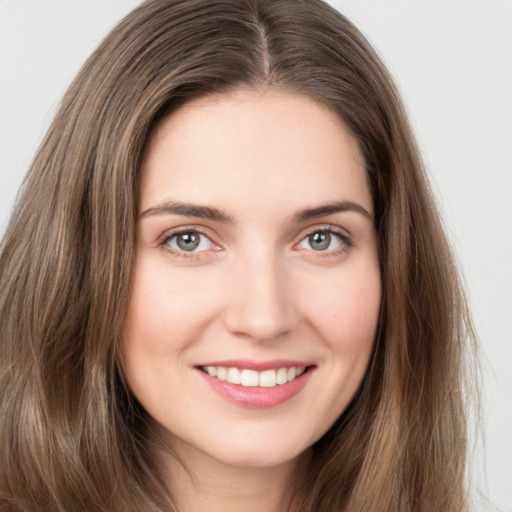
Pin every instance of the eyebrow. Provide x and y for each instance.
(216, 214)
(329, 209)
(189, 210)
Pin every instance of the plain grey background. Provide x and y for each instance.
(452, 60)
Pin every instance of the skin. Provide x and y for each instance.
(256, 288)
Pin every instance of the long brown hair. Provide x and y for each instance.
(71, 434)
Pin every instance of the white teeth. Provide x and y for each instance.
(268, 379)
(249, 378)
(253, 378)
(282, 376)
(233, 376)
(292, 373)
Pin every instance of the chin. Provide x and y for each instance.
(259, 451)
(263, 459)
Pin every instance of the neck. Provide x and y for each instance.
(200, 484)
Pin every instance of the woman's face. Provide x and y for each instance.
(257, 289)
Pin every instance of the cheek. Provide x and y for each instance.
(345, 309)
(342, 308)
(160, 324)
(165, 307)
(154, 329)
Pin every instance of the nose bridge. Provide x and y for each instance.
(261, 306)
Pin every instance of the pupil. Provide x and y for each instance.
(320, 241)
(188, 241)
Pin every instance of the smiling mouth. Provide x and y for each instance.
(252, 378)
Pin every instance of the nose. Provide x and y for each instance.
(261, 305)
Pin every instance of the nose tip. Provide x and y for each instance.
(261, 307)
(258, 326)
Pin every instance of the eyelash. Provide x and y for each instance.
(166, 239)
(345, 239)
(344, 245)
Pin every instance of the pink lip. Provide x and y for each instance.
(256, 397)
(259, 366)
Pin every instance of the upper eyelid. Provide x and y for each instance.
(163, 244)
(325, 227)
(170, 233)
(346, 239)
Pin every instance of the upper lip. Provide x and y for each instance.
(257, 365)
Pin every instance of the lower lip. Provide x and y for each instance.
(257, 397)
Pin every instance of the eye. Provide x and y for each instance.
(322, 240)
(189, 241)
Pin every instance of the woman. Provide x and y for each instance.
(225, 285)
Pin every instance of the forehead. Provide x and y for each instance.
(255, 149)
